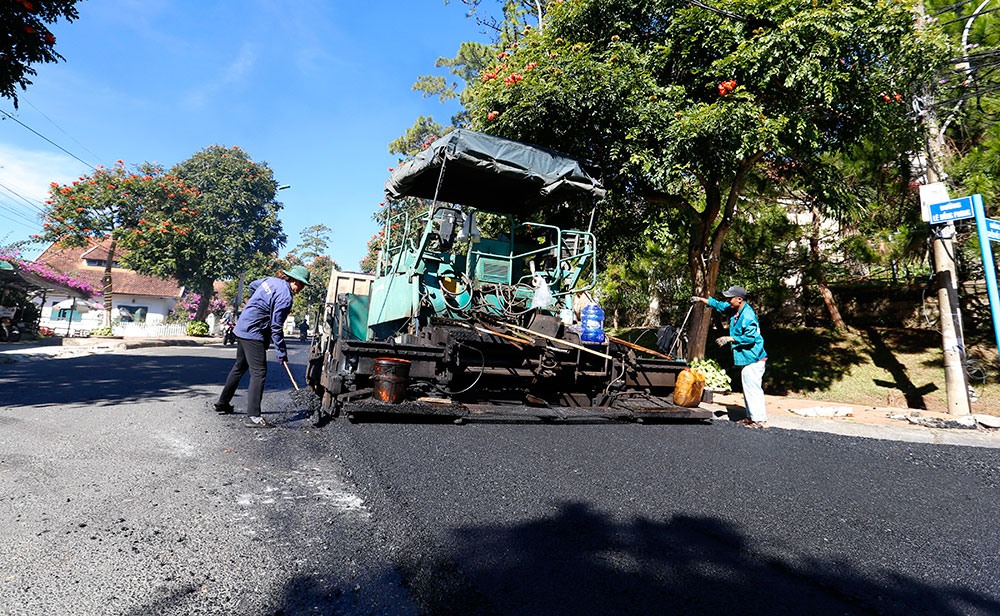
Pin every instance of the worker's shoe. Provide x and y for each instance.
(223, 409)
(257, 422)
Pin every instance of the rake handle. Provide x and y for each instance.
(289, 371)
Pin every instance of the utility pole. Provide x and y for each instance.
(952, 343)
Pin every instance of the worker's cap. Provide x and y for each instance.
(300, 273)
(735, 292)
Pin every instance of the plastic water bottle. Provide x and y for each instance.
(592, 325)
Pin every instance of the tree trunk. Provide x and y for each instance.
(705, 248)
(206, 290)
(819, 276)
(106, 281)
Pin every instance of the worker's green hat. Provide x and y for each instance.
(300, 273)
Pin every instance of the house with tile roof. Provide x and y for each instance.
(136, 298)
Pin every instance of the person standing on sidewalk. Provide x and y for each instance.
(748, 350)
(261, 320)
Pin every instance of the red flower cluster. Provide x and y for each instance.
(888, 99)
(513, 78)
(492, 115)
(726, 87)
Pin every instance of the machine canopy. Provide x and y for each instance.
(493, 173)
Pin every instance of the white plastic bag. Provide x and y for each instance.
(543, 296)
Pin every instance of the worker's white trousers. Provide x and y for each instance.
(753, 393)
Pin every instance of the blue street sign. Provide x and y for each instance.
(992, 229)
(957, 209)
(986, 229)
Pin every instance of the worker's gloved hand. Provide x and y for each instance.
(723, 340)
(282, 357)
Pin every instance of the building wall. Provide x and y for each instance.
(156, 309)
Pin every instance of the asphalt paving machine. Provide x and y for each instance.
(474, 308)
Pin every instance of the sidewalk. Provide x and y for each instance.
(863, 421)
(63, 348)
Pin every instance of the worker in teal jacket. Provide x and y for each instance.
(748, 350)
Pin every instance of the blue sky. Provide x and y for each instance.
(317, 89)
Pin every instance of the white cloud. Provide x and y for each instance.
(232, 76)
(29, 172)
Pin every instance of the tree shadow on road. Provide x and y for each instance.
(580, 562)
(106, 380)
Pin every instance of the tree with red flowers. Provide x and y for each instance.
(27, 39)
(117, 205)
(683, 106)
(236, 210)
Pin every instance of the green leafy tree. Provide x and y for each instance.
(315, 242)
(27, 39)
(238, 219)
(134, 211)
(681, 104)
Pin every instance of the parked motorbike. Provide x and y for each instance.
(9, 331)
(228, 333)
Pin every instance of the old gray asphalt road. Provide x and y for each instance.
(475, 519)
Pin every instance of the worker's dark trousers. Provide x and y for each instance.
(252, 355)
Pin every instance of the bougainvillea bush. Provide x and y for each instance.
(43, 271)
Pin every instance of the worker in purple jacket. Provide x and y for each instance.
(261, 320)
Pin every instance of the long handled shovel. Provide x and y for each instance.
(304, 398)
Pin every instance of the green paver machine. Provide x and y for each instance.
(474, 307)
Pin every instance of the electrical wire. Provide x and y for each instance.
(21, 197)
(42, 113)
(47, 139)
(19, 213)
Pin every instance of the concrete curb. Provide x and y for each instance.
(868, 422)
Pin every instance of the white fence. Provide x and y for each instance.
(141, 330)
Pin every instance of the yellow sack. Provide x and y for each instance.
(689, 387)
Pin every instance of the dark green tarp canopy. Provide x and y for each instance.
(493, 173)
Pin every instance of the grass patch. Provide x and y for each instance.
(895, 367)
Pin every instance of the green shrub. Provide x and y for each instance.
(197, 328)
(716, 378)
(102, 331)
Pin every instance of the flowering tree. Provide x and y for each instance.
(682, 104)
(27, 39)
(187, 307)
(237, 221)
(129, 209)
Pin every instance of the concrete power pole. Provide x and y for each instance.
(953, 345)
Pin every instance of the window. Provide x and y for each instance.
(63, 314)
(132, 314)
(101, 263)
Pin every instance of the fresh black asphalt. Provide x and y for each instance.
(121, 494)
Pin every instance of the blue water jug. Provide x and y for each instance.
(592, 326)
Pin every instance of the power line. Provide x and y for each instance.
(47, 139)
(9, 207)
(23, 218)
(14, 220)
(21, 197)
(60, 128)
